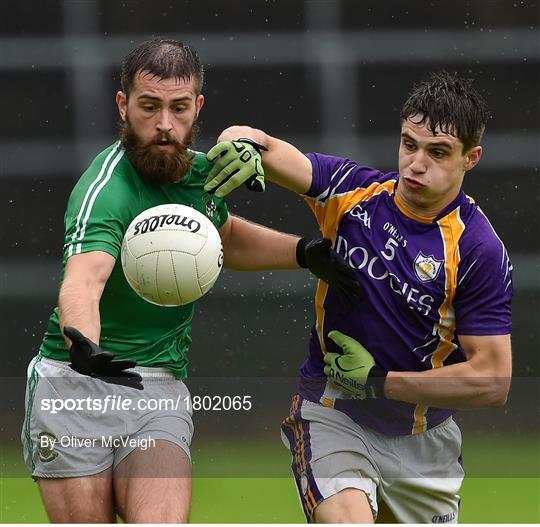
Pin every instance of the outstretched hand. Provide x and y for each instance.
(355, 369)
(235, 162)
(87, 358)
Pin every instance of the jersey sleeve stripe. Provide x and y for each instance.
(341, 180)
(89, 192)
(505, 259)
(108, 166)
(112, 166)
(467, 271)
(326, 191)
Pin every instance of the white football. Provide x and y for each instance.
(171, 255)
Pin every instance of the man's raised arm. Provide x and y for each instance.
(237, 159)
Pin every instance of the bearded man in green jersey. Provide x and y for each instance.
(93, 455)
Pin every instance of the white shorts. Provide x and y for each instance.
(79, 426)
(417, 476)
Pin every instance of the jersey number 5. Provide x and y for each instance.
(390, 246)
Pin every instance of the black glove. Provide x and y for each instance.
(89, 359)
(320, 258)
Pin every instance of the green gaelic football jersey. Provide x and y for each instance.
(102, 205)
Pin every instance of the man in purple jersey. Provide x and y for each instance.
(371, 429)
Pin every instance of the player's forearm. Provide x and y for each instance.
(252, 247)
(78, 306)
(456, 386)
(232, 133)
(282, 162)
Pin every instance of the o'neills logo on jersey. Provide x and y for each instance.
(156, 222)
(443, 518)
(427, 267)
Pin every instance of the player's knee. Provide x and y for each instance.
(150, 514)
(157, 504)
(347, 506)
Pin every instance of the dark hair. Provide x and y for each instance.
(164, 58)
(450, 103)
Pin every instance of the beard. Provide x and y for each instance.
(152, 165)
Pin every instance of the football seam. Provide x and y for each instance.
(198, 276)
(176, 278)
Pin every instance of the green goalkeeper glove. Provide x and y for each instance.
(235, 162)
(354, 370)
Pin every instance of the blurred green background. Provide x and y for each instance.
(253, 499)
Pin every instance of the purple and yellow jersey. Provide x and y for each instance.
(424, 281)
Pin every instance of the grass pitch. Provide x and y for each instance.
(503, 484)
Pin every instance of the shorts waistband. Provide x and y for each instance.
(156, 373)
(144, 371)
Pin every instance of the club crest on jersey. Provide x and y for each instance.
(210, 207)
(427, 267)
